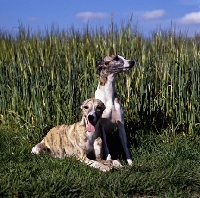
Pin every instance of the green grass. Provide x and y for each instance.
(162, 167)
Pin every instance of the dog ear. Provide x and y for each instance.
(116, 58)
(103, 107)
(81, 106)
(83, 103)
(99, 67)
(109, 58)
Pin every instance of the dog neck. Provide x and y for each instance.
(106, 89)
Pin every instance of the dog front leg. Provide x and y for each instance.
(123, 138)
(98, 165)
(105, 146)
(115, 163)
(98, 148)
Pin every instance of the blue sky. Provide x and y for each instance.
(184, 15)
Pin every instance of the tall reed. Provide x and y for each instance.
(44, 76)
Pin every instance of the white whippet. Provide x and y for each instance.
(108, 69)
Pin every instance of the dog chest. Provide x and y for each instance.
(90, 138)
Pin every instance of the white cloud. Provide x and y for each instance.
(191, 18)
(153, 14)
(91, 15)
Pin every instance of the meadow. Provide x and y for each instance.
(46, 75)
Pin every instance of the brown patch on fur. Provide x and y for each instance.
(117, 101)
(102, 80)
(109, 58)
(108, 163)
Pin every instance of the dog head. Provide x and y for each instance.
(113, 65)
(92, 110)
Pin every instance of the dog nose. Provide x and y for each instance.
(131, 63)
(91, 117)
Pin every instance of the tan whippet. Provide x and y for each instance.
(81, 139)
(107, 69)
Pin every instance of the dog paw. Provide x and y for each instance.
(109, 157)
(116, 163)
(35, 150)
(99, 166)
(105, 168)
(130, 162)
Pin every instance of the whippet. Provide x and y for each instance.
(108, 69)
(81, 139)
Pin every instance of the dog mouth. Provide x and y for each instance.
(126, 68)
(119, 69)
(123, 68)
(131, 64)
(90, 126)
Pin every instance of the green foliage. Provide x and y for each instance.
(162, 167)
(44, 76)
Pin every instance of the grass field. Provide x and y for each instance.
(44, 77)
(163, 167)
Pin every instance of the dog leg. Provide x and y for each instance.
(40, 148)
(98, 148)
(115, 163)
(123, 138)
(105, 147)
(99, 165)
(96, 164)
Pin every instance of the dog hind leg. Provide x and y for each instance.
(123, 138)
(40, 148)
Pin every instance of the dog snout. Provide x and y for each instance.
(131, 63)
(91, 118)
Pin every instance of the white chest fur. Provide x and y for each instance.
(90, 141)
(113, 109)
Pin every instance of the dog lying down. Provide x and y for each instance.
(81, 139)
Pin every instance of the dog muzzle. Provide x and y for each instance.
(91, 122)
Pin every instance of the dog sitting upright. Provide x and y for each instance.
(107, 69)
(81, 139)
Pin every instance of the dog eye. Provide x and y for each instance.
(99, 107)
(85, 107)
(116, 58)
